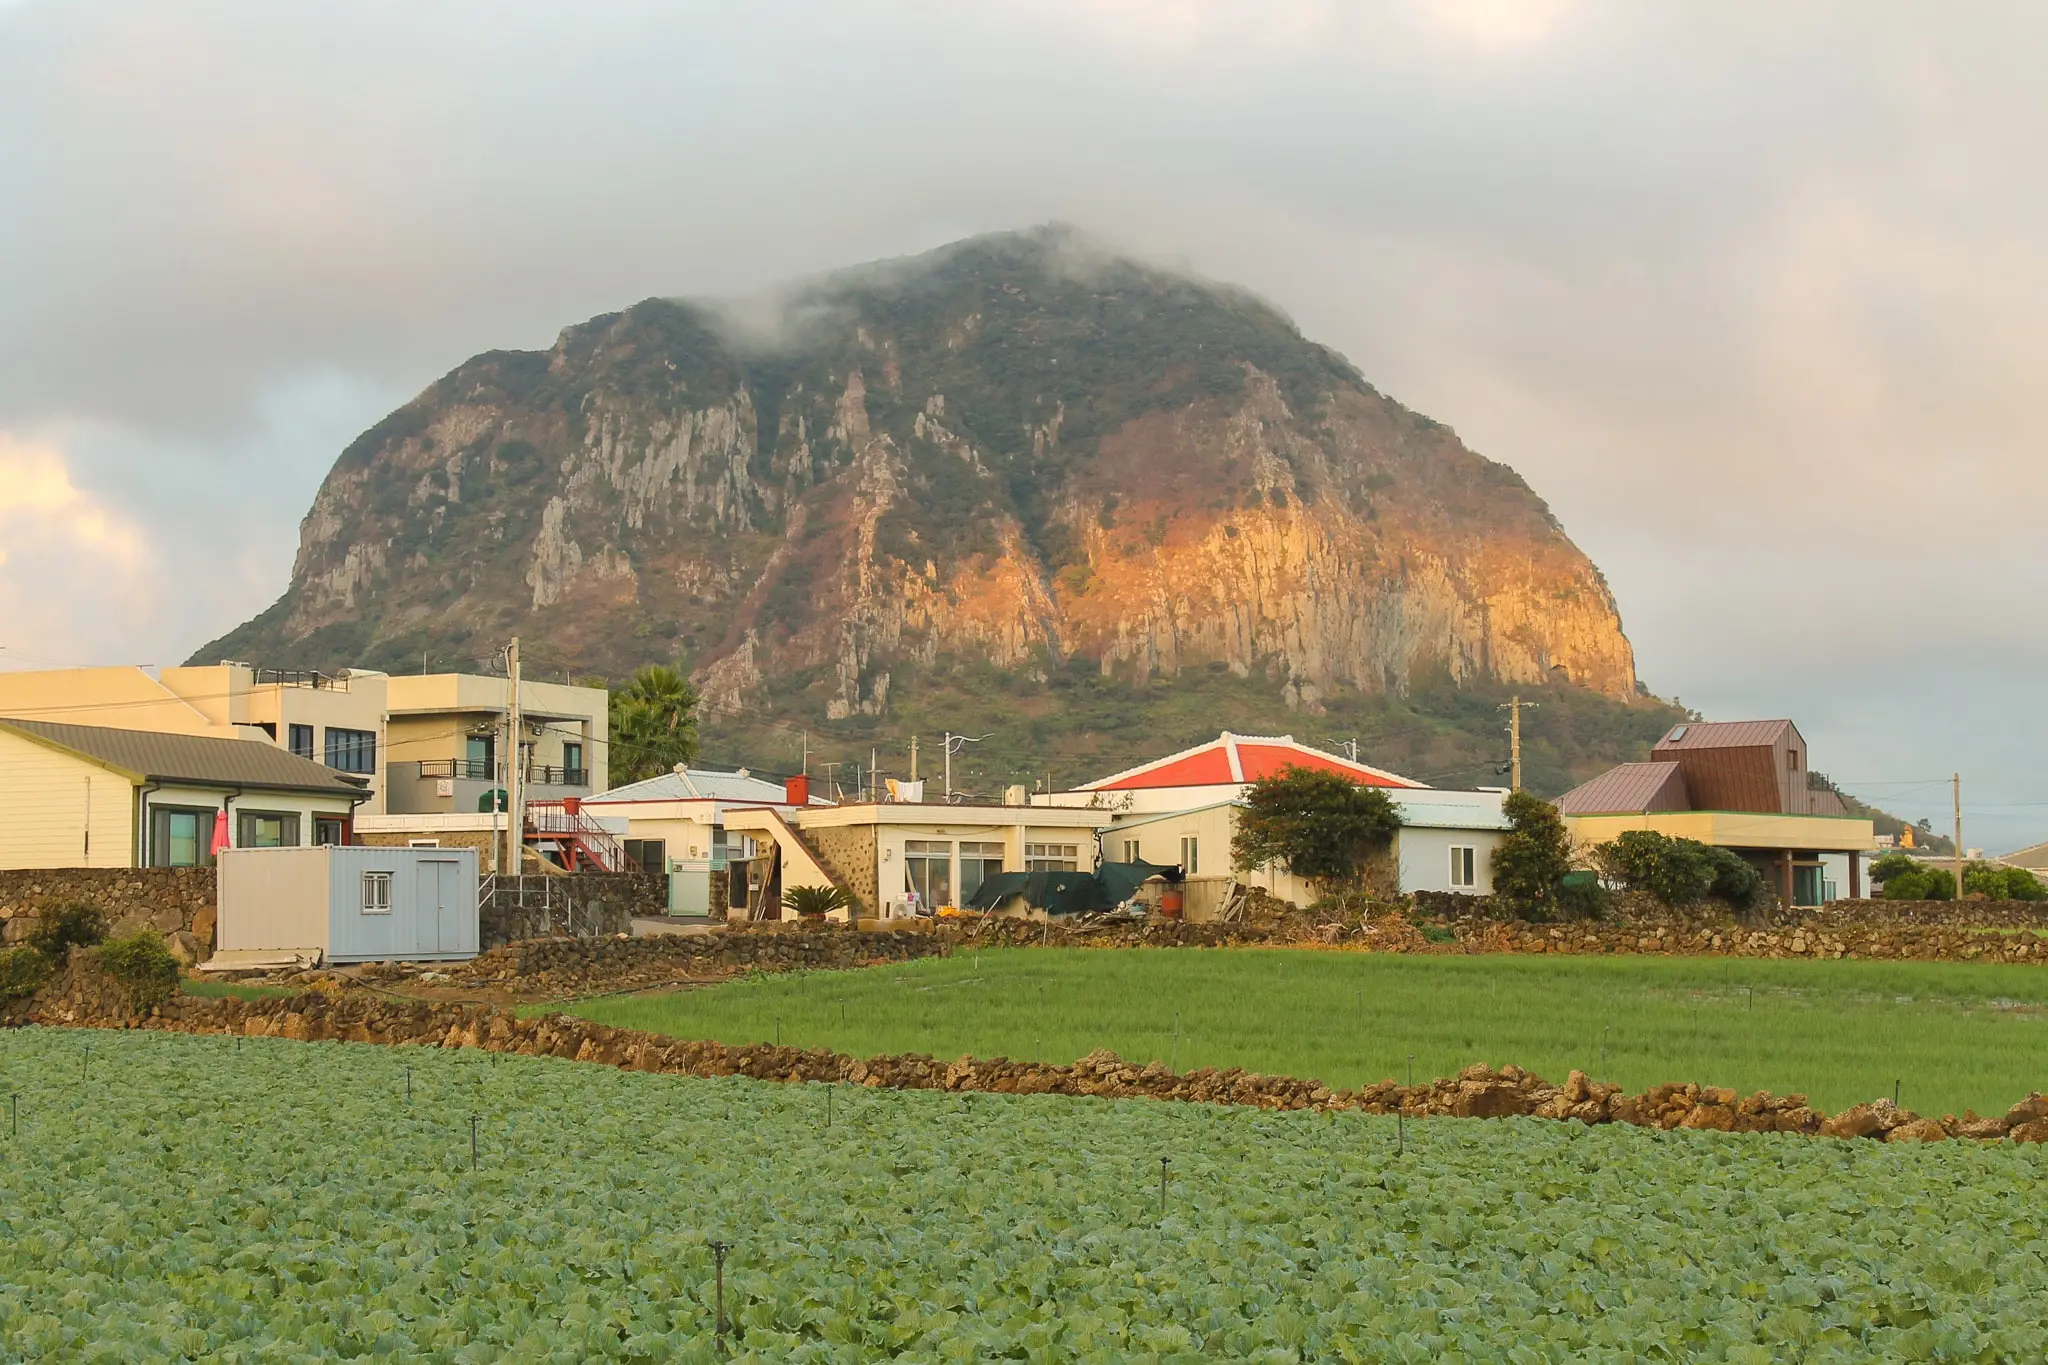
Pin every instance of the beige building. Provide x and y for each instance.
(445, 743)
(1739, 785)
(425, 743)
(93, 796)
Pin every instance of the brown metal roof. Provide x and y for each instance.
(1723, 734)
(196, 759)
(1630, 788)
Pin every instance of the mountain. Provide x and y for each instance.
(1018, 478)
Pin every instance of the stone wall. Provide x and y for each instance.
(177, 902)
(849, 855)
(582, 904)
(563, 966)
(482, 840)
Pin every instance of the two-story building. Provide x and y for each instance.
(423, 744)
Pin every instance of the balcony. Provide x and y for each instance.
(433, 785)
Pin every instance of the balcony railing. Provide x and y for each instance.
(477, 770)
(301, 677)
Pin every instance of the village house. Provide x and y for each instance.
(424, 744)
(1739, 785)
(96, 796)
(1183, 810)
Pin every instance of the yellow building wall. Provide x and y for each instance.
(1733, 829)
(60, 811)
(117, 698)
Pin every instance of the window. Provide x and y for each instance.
(480, 759)
(1464, 867)
(647, 855)
(376, 893)
(572, 765)
(351, 751)
(266, 829)
(1791, 760)
(301, 738)
(1190, 855)
(422, 843)
(1052, 857)
(329, 829)
(1131, 851)
(720, 850)
(928, 871)
(180, 837)
(978, 862)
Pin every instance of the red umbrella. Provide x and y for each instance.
(220, 833)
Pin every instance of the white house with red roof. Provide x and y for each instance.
(1183, 809)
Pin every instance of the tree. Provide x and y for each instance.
(653, 724)
(1321, 826)
(1533, 857)
(1680, 871)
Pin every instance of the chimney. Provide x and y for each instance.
(796, 791)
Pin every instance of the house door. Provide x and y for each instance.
(437, 925)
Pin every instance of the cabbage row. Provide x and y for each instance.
(178, 1197)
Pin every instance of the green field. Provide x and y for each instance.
(1950, 1035)
(169, 1197)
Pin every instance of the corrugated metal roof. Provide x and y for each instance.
(1723, 734)
(1418, 814)
(197, 759)
(700, 784)
(1630, 788)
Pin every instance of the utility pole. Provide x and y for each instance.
(515, 813)
(1957, 782)
(807, 754)
(1351, 747)
(828, 767)
(954, 744)
(874, 782)
(913, 758)
(1514, 707)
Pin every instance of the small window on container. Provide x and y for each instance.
(376, 893)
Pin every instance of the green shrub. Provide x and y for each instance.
(64, 925)
(814, 902)
(1675, 871)
(1581, 896)
(22, 969)
(1736, 880)
(1532, 858)
(1905, 878)
(2000, 883)
(144, 965)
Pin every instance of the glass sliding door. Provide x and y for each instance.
(978, 862)
(928, 871)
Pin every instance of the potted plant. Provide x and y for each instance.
(815, 902)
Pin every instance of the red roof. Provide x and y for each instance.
(1230, 758)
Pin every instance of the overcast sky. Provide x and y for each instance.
(1755, 296)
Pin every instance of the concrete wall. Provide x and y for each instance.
(60, 811)
(1425, 858)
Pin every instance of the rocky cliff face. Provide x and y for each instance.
(1013, 451)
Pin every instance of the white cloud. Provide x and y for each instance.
(76, 576)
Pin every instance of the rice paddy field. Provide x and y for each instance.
(1948, 1036)
(166, 1197)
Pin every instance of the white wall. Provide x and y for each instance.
(1425, 858)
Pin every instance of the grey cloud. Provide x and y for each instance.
(1753, 297)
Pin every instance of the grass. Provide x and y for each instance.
(1953, 1036)
(238, 990)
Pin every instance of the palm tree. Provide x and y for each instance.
(653, 724)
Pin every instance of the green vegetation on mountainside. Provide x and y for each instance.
(188, 1198)
(1954, 1036)
(1082, 725)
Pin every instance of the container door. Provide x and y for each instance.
(425, 929)
(448, 908)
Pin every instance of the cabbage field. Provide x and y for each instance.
(167, 1197)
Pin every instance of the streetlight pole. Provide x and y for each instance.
(954, 744)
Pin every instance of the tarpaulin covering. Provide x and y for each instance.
(1069, 893)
